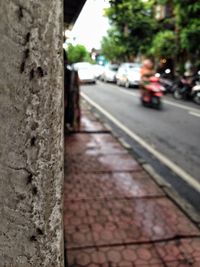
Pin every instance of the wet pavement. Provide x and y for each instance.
(115, 215)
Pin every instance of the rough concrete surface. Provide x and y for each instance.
(31, 133)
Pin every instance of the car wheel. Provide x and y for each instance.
(118, 82)
(127, 84)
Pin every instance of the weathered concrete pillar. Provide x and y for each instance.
(31, 133)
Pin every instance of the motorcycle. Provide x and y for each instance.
(187, 88)
(152, 93)
(196, 93)
(165, 79)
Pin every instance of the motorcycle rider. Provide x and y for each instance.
(146, 71)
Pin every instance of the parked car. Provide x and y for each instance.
(109, 73)
(128, 74)
(98, 70)
(85, 72)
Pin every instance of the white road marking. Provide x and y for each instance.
(182, 106)
(194, 113)
(175, 168)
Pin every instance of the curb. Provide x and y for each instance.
(173, 195)
(186, 208)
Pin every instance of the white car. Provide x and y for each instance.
(85, 71)
(128, 74)
(98, 70)
(133, 77)
(109, 73)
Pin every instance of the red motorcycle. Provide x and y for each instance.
(152, 93)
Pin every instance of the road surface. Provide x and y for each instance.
(170, 136)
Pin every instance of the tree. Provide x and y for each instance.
(179, 34)
(163, 44)
(77, 53)
(136, 29)
(134, 24)
(187, 14)
(112, 47)
(190, 36)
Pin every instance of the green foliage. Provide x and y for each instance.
(164, 44)
(162, 2)
(190, 36)
(134, 23)
(77, 53)
(111, 46)
(188, 24)
(135, 30)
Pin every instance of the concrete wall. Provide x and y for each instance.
(31, 133)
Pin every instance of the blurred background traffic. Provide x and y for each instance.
(114, 37)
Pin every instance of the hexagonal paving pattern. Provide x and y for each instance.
(121, 256)
(137, 220)
(180, 253)
(115, 222)
(93, 144)
(76, 224)
(101, 163)
(111, 185)
(114, 214)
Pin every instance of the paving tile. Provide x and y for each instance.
(123, 221)
(109, 149)
(86, 114)
(137, 220)
(91, 125)
(119, 162)
(101, 163)
(180, 253)
(122, 256)
(111, 203)
(79, 143)
(93, 144)
(135, 184)
(182, 264)
(113, 185)
(76, 224)
(107, 140)
(77, 237)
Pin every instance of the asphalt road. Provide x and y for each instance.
(173, 133)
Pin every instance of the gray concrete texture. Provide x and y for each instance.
(31, 133)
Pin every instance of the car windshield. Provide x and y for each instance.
(135, 69)
(82, 65)
(114, 68)
(134, 66)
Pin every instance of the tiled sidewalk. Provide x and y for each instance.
(115, 215)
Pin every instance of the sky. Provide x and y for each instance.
(91, 25)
